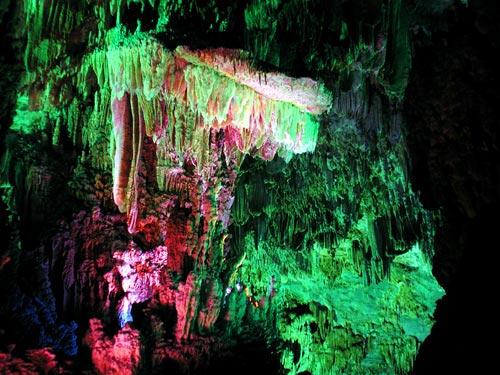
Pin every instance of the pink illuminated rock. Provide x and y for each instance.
(304, 93)
(140, 274)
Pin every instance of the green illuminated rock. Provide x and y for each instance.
(295, 221)
(348, 243)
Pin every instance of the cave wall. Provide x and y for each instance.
(171, 203)
(453, 139)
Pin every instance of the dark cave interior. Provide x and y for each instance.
(176, 196)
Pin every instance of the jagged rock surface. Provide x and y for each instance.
(188, 201)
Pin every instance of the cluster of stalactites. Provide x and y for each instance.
(217, 86)
(177, 98)
(46, 21)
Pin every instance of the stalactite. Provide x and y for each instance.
(286, 208)
(189, 91)
(122, 133)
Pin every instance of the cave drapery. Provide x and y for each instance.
(174, 189)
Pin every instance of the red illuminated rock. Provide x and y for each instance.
(44, 359)
(13, 366)
(37, 361)
(118, 355)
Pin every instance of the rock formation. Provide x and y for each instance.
(175, 192)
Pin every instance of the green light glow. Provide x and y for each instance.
(326, 249)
